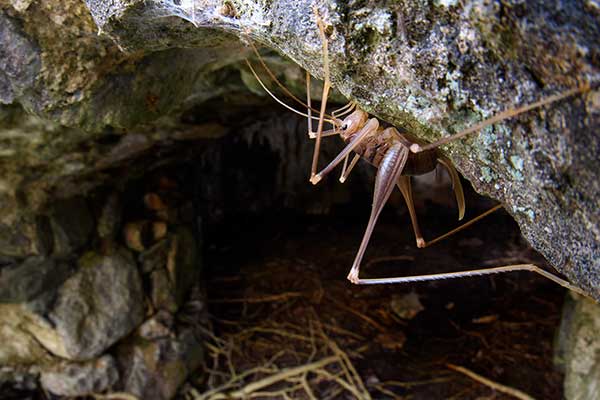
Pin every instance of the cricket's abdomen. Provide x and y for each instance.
(373, 149)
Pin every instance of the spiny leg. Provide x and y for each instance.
(475, 272)
(389, 171)
(512, 112)
(463, 226)
(406, 190)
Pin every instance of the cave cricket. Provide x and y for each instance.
(397, 156)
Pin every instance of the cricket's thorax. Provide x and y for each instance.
(374, 147)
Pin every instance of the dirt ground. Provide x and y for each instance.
(287, 325)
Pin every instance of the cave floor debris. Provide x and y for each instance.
(287, 325)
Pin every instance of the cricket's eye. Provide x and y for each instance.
(345, 126)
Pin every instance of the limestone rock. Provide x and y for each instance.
(429, 68)
(19, 347)
(178, 257)
(25, 281)
(433, 69)
(159, 326)
(93, 309)
(579, 349)
(154, 369)
(80, 379)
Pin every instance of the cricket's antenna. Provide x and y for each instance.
(277, 99)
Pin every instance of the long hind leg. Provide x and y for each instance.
(389, 171)
(512, 112)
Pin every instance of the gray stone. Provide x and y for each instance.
(154, 370)
(19, 347)
(430, 68)
(100, 304)
(22, 234)
(578, 349)
(175, 267)
(159, 326)
(23, 282)
(81, 379)
(19, 61)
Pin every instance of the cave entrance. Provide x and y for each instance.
(285, 323)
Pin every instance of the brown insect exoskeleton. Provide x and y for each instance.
(397, 156)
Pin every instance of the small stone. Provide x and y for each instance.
(154, 370)
(578, 349)
(406, 306)
(80, 379)
(138, 235)
(100, 304)
(154, 202)
(159, 326)
(18, 348)
(23, 282)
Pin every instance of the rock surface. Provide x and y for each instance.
(579, 347)
(429, 68)
(99, 305)
(76, 318)
(155, 369)
(77, 379)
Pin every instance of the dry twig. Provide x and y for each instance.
(494, 385)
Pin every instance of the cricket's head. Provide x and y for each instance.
(353, 123)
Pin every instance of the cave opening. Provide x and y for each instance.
(243, 265)
(282, 320)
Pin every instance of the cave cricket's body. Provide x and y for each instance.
(398, 156)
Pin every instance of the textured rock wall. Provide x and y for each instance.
(105, 308)
(429, 68)
(436, 68)
(97, 92)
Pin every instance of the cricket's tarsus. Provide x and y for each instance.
(398, 156)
